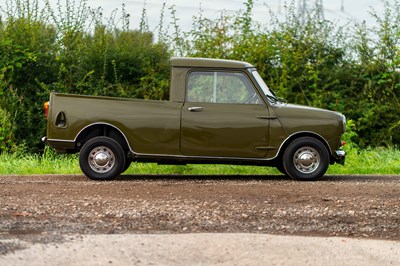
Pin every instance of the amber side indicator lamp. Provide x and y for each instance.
(46, 109)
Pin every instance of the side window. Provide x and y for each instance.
(220, 87)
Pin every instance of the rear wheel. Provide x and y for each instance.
(306, 158)
(102, 158)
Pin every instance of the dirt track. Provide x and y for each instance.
(44, 208)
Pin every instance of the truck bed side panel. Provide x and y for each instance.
(151, 127)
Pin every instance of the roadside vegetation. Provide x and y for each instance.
(376, 161)
(306, 59)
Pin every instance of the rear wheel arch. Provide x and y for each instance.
(102, 130)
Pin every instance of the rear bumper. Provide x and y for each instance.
(61, 146)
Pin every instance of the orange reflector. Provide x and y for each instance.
(46, 109)
(343, 143)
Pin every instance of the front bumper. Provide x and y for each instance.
(340, 156)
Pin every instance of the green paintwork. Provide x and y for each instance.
(225, 130)
(149, 126)
(218, 131)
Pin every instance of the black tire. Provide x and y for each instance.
(102, 158)
(305, 159)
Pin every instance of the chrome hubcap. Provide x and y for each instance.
(101, 159)
(306, 160)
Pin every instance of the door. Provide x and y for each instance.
(223, 116)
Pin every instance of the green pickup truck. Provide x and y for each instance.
(219, 112)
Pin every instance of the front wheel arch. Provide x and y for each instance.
(298, 135)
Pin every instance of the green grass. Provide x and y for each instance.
(207, 169)
(29, 164)
(368, 161)
(382, 161)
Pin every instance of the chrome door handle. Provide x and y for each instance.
(195, 109)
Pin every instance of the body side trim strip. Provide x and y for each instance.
(60, 140)
(194, 157)
(232, 158)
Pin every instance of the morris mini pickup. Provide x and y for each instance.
(219, 112)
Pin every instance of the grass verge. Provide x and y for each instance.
(385, 161)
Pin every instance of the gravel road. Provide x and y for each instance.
(49, 210)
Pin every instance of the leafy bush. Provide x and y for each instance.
(43, 50)
(304, 58)
(309, 60)
(6, 137)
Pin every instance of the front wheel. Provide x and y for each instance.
(102, 158)
(306, 158)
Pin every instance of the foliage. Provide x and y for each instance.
(6, 134)
(305, 58)
(374, 88)
(309, 60)
(55, 48)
